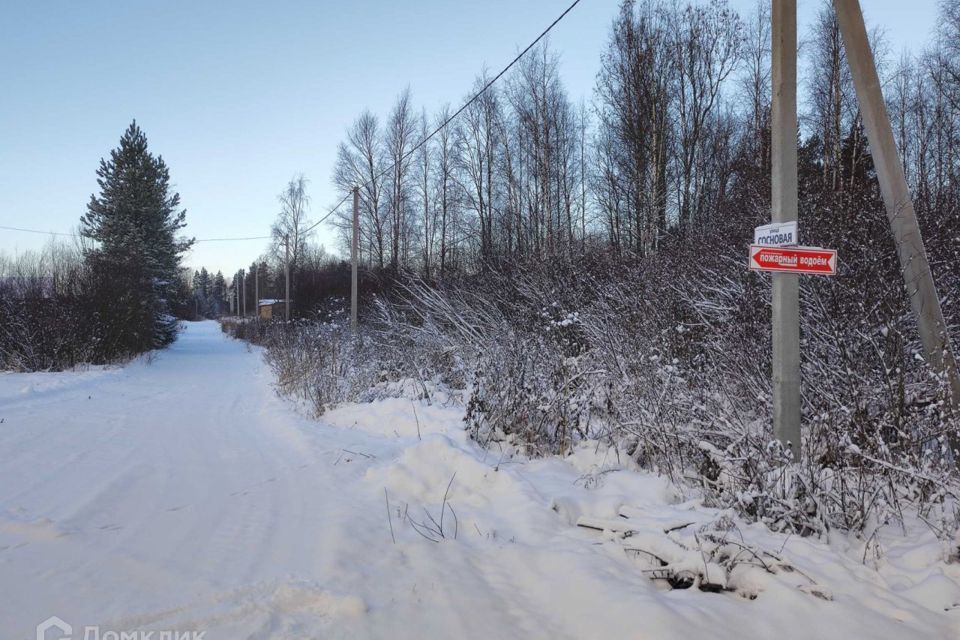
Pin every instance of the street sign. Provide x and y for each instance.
(778, 234)
(812, 260)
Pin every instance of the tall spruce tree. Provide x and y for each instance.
(219, 294)
(136, 260)
(201, 293)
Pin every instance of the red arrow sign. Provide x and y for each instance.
(813, 260)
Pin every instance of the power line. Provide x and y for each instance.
(80, 235)
(329, 213)
(231, 239)
(46, 233)
(446, 122)
(477, 95)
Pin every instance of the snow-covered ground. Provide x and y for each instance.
(183, 494)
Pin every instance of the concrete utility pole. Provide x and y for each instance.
(256, 290)
(243, 295)
(786, 286)
(286, 268)
(354, 249)
(917, 278)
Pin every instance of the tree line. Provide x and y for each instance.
(673, 145)
(671, 149)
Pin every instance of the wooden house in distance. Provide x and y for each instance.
(269, 309)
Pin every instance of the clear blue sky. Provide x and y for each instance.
(240, 96)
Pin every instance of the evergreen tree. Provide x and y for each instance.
(204, 283)
(219, 294)
(136, 260)
(202, 293)
(196, 294)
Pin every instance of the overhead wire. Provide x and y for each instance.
(231, 239)
(46, 233)
(451, 118)
(80, 235)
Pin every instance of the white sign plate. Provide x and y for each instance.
(778, 234)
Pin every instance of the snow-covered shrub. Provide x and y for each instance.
(430, 336)
(48, 321)
(878, 441)
(527, 379)
(527, 390)
(253, 330)
(669, 359)
(319, 362)
(711, 556)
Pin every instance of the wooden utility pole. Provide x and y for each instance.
(786, 286)
(354, 248)
(286, 268)
(256, 290)
(917, 277)
(243, 295)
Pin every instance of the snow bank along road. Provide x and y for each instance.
(182, 494)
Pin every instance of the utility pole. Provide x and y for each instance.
(354, 247)
(243, 295)
(286, 268)
(924, 301)
(786, 286)
(256, 289)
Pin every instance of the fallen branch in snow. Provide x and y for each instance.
(389, 519)
(616, 525)
(415, 417)
(636, 550)
(368, 456)
(705, 558)
(445, 495)
(619, 525)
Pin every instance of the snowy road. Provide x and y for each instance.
(182, 494)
